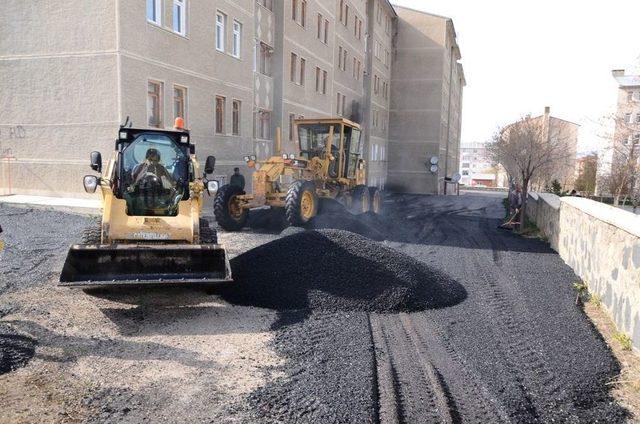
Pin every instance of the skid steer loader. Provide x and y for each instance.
(328, 165)
(151, 231)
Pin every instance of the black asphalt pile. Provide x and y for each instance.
(333, 270)
(15, 349)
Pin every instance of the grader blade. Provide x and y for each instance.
(133, 265)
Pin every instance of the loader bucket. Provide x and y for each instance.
(134, 265)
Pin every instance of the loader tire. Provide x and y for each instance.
(376, 201)
(229, 218)
(208, 235)
(301, 203)
(361, 201)
(92, 234)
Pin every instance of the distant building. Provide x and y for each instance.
(556, 130)
(625, 145)
(477, 169)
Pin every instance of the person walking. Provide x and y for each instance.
(237, 179)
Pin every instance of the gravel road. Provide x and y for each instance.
(516, 349)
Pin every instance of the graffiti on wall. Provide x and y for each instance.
(13, 133)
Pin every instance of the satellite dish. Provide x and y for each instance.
(434, 168)
(434, 160)
(456, 177)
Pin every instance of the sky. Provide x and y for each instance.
(519, 57)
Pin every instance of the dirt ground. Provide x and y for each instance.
(128, 357)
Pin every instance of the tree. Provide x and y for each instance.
(556, 187)
(587, 173)
(531, 148)
(622, 181)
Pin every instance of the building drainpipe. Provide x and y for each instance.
(446, 159)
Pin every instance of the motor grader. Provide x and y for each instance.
(151, 232)
(328, 164)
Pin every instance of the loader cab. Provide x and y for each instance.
(153, 170)
(344, 139)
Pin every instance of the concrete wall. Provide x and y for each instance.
(602, 245)
(57, 77)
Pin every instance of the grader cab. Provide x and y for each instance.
(328, 164)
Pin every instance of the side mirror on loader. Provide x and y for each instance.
(96, 161)
(210, 165)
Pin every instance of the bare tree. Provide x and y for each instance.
(622, 181)
(532, 148)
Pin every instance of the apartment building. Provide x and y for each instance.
(426, 103)
(235, 70)
(624, 149)
(477, 169)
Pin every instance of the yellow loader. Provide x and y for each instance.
(329, 164)
(151, 231)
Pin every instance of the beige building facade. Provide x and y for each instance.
(235, 70)
(426, 103)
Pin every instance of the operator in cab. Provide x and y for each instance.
(152, 165)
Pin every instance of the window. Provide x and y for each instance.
(237, 38)
(325, 40)
(339, 57)
(154, 11)
(346, 15)
(299, 11)
(179, 17)
(303, 13)
(324, 82)
(235, 117)
(636, 139)
(376, 84)
(302, 69)
(265, 54)
(221, 23)
(154, 104)
(465, 172)
(262, 125)
(220, 106)
(268, 4)
(627, 118)
(294, 67)
(357, 28)
(344, 59)
(318, 79)
(323, 29)
(638, 118)
(292, 127)
(341, 104)
(179, 102)
(386, 57)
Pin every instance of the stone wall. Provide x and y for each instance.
(602, 245)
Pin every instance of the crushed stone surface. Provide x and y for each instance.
(334, 270)
(516, 349)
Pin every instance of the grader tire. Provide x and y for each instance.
(228, 218)
(301, 203)
(361, 200)
(375, 197)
